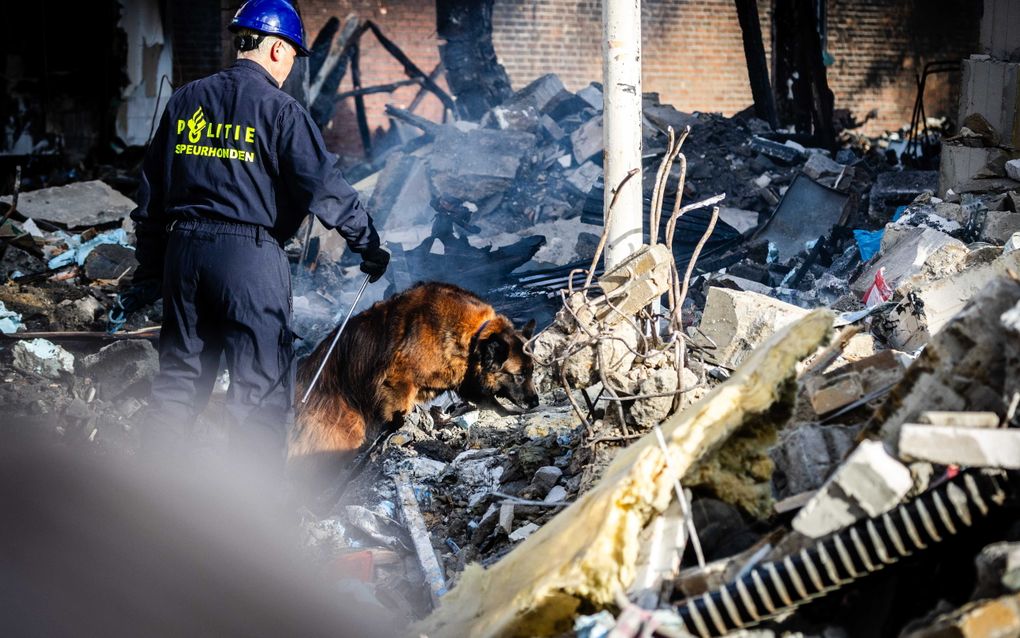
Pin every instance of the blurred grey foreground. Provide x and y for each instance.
(103, 546)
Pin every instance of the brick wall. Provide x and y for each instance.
(411, 24)
(692, 51)
(881, 45)
(196, 28)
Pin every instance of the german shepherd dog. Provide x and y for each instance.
(403, 351)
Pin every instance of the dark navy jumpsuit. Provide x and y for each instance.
(234, 167)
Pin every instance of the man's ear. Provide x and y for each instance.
(528, 330)
(493, 352)
(276, 52)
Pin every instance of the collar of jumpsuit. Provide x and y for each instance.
(252, 65)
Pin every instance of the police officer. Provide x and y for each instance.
(234, 167)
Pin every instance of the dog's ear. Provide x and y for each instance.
(493, 352)
(528, 330)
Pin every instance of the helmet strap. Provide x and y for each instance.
(248, 42)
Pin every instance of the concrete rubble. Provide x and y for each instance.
(720, 404)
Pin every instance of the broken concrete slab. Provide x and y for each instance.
(925, 311)
(474, 165)
(736, 322)
(77, 205)
(126, 366)
(999, 226)
(402, 196)
(588, 552)
(584, 177)
(868, 483)
(586, 142)
(909, 251)
(967, 447)
(991, 88)
(521, 110)
(43, 358)
(819, 166)
(827, 393)
(1013, 169)
(965, 366)
(545, 478)
(961, 164)
(742, 221)
(633, 284)
(961, 419)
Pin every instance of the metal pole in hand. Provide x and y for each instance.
(336, 337)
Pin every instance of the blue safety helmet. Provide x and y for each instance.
(272, 17)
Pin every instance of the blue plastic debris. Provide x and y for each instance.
(78, 251)
(870, 241)
(10, 321)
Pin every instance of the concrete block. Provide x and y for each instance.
(1000, 29)
(960, 164)
(870, 482)
(545, 477)
(999, 226)
(968, 447)
(76, 205)
(636, 282)
(960, 419)
(1013, 169)
(43, 358)
(557, 494)
(737, 322)
(830, 392)
(586, 142)
(990, 89)
(930, 307)
(819, 166)
(122, 367)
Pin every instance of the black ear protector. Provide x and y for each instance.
(248, 42)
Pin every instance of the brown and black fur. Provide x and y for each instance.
(404, 351)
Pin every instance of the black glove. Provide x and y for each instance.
(138, 295)
(374, 262)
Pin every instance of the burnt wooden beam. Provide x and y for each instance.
(382, 88)
(359, 103)
(417, 121)
(473, 72)
(757, 68)
(410, 68)
(420, 95)
(798, 63)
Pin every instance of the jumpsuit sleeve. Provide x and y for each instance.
(315, 185)
(150, 216)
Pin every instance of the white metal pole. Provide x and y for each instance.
(621, 70)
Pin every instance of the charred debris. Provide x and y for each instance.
(793, 412)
